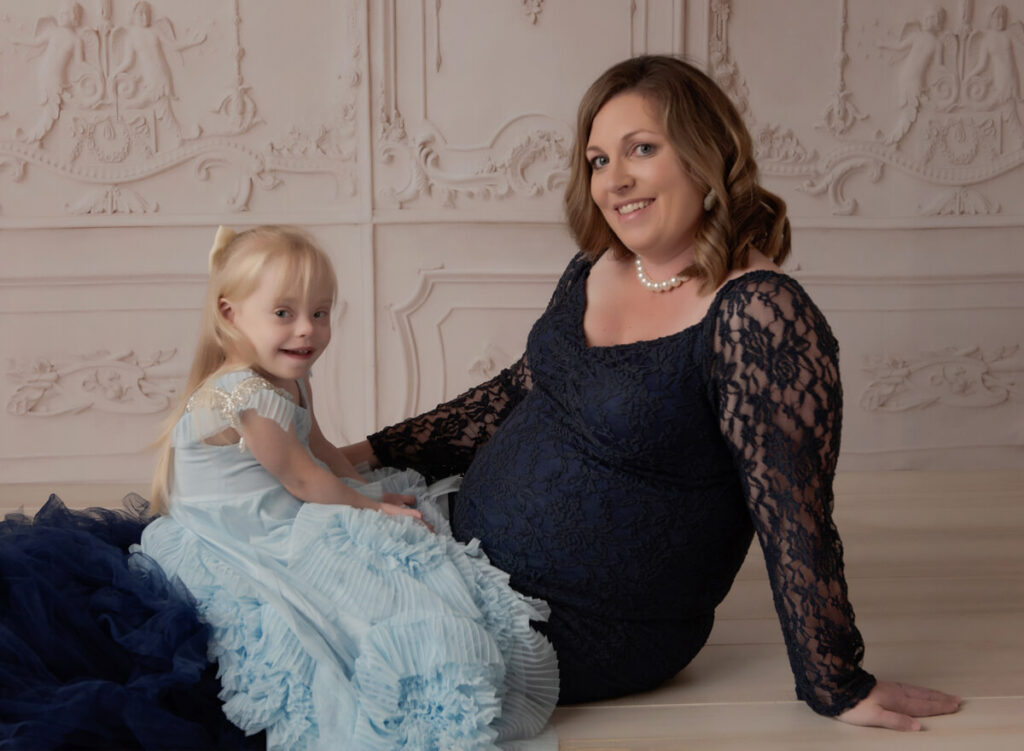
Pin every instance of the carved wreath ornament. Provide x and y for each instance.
(101, 380)
(953, 377)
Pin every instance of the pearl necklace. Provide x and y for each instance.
(654, 286)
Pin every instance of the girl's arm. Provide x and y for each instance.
(284, 456)
(336, 459)
(324, 450)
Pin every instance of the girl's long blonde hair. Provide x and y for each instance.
(236, 268)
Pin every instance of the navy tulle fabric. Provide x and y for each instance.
(623, 485)
(97, 648)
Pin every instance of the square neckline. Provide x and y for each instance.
(697, 325)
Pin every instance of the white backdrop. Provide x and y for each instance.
(425, 143)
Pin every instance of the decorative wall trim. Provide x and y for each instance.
(119, 382)
(402, 317)
(496, 171)
(967, 377)
(453, 174)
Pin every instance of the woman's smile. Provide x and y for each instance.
(642, 188)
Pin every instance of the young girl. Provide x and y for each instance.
(338, 618)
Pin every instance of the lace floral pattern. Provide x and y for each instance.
(623, 485)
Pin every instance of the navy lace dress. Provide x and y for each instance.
(623, 485)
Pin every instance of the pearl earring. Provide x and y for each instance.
(709, 200)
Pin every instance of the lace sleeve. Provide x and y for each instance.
(775, 382)
(443, 441)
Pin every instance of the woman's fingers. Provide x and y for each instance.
(895, 705)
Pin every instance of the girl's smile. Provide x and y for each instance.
(288, 329)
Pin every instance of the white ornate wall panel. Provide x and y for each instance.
(425, 142)
(121, 112)
(474, 101)
(456, 305)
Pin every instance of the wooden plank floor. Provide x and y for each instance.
(935, 565)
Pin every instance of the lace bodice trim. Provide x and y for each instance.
(216, 407)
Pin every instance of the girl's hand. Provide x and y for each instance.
(895, 705)
(390, 509)
(397, 499)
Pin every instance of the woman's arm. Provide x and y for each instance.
(443, 441)
(776, 387)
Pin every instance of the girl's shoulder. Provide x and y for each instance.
(219, 402)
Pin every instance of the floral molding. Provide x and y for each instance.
(958, 123)
(954, 377)
(119, 382)
(107, 106)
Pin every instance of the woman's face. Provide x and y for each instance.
(638, 182)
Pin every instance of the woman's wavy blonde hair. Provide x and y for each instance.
(236, 268)
(712, 142)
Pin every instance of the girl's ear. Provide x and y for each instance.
(224, 306)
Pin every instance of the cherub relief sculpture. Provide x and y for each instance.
(926, 56)
(143, 76)
(963, 71)
(108, 69)
(994, 73)
(61, 44)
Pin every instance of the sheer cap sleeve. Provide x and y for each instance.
(775, 386)
(218, 406)
(444, 440)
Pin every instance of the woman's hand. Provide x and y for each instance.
(895, 705)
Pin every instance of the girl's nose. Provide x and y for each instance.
(303, 325)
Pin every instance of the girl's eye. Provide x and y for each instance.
(644, 149)
(282, 313)
(320, 314)
(598, 162)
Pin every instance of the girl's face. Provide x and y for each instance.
(288, 328)
(638, 182)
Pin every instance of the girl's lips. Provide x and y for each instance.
(303, 354)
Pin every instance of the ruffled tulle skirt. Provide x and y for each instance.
(367, 632)
(98, 649)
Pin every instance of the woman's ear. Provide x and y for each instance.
(224, 306)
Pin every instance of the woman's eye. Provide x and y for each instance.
(598, 162)
(644, 149)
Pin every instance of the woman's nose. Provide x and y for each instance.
(619, 177)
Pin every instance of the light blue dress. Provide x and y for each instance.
(337, 627)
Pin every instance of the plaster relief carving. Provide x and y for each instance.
(489, 362)
(841, 113)
(527, 158)
(103, 381)
(109, 89)
(957, 117)
(953, 377)
(112, 200)
(533, 9)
